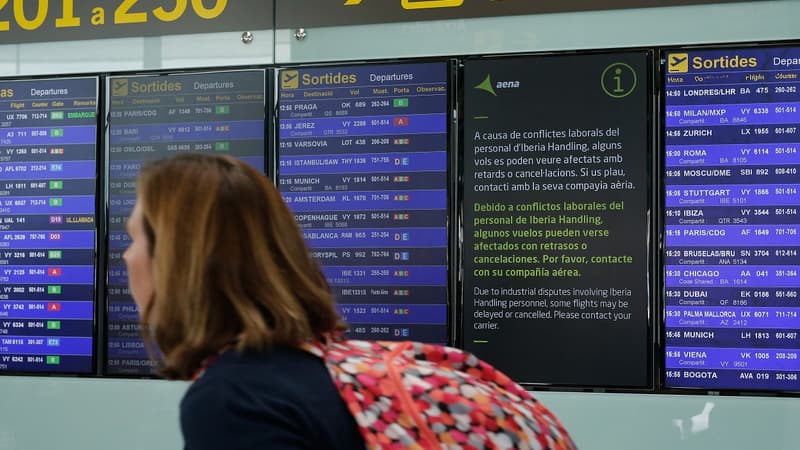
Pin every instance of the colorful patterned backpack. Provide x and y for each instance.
(408, 395)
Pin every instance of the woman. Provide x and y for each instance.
(228, 292)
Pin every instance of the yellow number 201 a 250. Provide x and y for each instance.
(428, 4)
(418, 4)
(33, 16)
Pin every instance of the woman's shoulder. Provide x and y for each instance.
(283, 394)
(279, 373)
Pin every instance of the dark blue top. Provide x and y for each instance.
(283, 399)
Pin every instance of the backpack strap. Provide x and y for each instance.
(390, 359)
(378, 402)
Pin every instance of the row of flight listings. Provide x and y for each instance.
(556, 208)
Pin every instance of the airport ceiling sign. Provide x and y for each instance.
(320, 13)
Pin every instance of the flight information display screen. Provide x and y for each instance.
(48, 147)
(152, 117)
(555, 204)
(731, 224)
(363, 156)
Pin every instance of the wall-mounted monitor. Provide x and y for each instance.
(363, 163)
(556, 226)
(151, 117)
(48, 226)
(731, 228)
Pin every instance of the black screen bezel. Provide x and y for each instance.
(99, 260)
(103, 346)
(662, 53)
(452, 242)
(652, 300)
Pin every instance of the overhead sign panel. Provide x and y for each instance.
(308, 13)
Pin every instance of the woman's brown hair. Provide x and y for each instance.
(229, 263)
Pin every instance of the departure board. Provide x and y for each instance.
(152, 117)
(555, 207)
(363, 164)
(731, 224)
(48, 146)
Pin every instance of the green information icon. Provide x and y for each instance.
(618, 80)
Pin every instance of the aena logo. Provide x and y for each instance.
(488, 86)
(417, 4)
